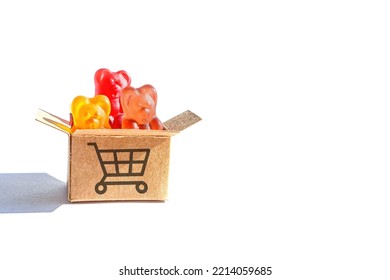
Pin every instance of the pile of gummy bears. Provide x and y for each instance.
(116, 104)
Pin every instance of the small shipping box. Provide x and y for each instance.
(119, 164)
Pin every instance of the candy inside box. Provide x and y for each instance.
(119, 164)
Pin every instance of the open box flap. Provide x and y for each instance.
(182, 121)
(53, 121)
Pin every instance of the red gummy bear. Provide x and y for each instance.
(139, 108)
(110, 84)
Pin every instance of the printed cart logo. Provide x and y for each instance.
(118, 165)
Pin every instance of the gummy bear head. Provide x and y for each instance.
(111, 83)
(90, 113)
(139, 104)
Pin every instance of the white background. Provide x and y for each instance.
(289, 167)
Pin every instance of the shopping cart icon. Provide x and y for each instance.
(118, 165)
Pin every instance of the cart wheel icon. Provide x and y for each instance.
(100, 188)
(141, 187)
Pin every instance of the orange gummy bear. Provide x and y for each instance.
(139, 108)
(90, 113)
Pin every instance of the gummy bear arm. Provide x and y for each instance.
(144, 126)
(156, 124)
(129, 124)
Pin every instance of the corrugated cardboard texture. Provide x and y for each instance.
(182, 121)
(122, 160)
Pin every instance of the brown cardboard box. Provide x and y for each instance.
(119, 164)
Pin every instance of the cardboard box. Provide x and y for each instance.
(119, 164)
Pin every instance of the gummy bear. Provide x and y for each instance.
(90, 113)
(139, 108)
(110, 84)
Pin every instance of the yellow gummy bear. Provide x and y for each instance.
(90, 113)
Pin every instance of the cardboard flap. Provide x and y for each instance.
(53, 121)
(182, 121)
